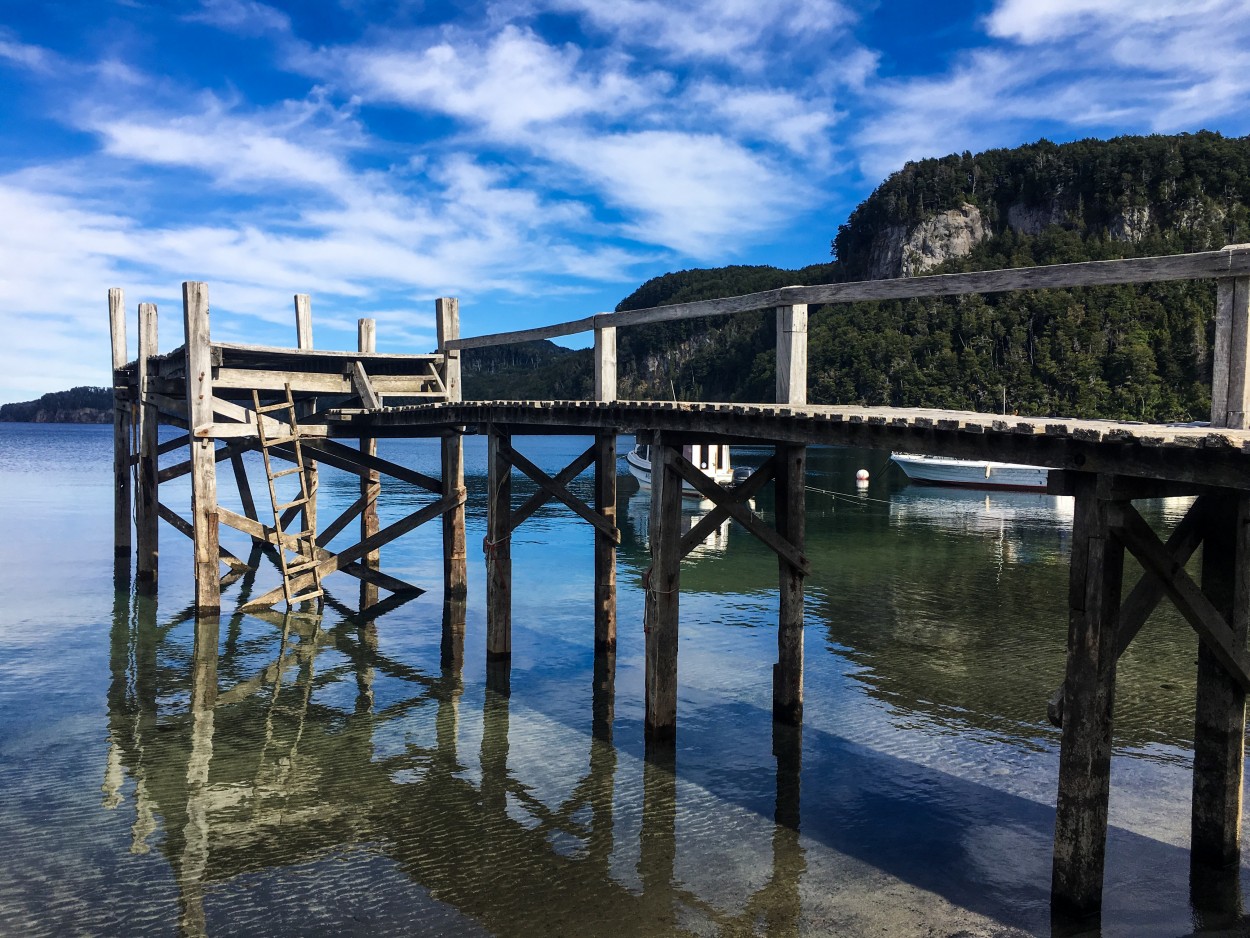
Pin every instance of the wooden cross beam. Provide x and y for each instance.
(542, 496)
(723, 498)
(718, 515)
(1131, 528)
(559, 491)
(183, 526)
(1149, 590)
(348, 556)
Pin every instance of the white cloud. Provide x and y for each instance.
(241, 17)
(510, 83)
(734, 31)
(35, 58)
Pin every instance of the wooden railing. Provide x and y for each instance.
(1230, 267)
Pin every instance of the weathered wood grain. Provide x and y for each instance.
(498, 546)
(605, 363)
(121, 423)
(303, 321)
(147, 521)
(605, 546)
(447, 318)
(791, 489)
(663, 585)
(792, 355)
(199, 371)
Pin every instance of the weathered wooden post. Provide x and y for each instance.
(791, 494)
(370, 480)
(1089, 695)
(498, 547)
(304, 340)
(605, 494)
(199, 372)
(147, 519)
(121, 424)
(791, 508)
(792, 355)
(1220, 713)
(662, 589)
(455, 553)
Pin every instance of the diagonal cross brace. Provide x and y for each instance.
(542, 496)
(1131, 528)
(740, 513)
(558, 491)
(718, 515)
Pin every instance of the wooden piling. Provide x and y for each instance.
(121, 424)
(455, 552)
(1220, 713)
(147, 518)
(370, 480)
(199, 371)
(791, 493)
(1089, 695)
(662, 589)
(498, 547)
(792, 354)
(605, 547)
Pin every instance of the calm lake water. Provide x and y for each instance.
(357, 778)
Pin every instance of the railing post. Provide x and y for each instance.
(1230, 366)
(303, 321)
(199, 372)
(371, 480)
(121, 424)
(147, 520)
(605, 363)
(792, 355)
(455, 554)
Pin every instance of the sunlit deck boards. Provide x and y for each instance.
(1201, 455)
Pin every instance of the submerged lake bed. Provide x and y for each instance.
(333, 775)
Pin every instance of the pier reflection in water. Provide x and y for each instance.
(356, 776)
(246, 757)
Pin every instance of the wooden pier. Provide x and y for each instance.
(224, 396)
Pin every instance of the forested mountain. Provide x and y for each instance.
(77, 405)
(1126, 352)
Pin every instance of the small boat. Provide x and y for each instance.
(713, 459)
(971, 473)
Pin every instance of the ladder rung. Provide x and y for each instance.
(285, 506)
(305, 597)
(270, 408)
(294, 568)
(278, 440)
(286, 472)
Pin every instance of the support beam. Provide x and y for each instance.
(121, 424)
(605, 546)
(371, 479)
(662, 593)
(498, 547)
(1089, 695)
(1220, 713)
(792, 355)
(199, 372)
(561, 478)
(605, 363)
(559, 493)
(147, 521)
(791, 526)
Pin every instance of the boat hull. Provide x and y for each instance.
(640, 469)
(972, 474)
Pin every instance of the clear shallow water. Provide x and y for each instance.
(371, 784)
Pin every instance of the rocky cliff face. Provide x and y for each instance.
(897, 252)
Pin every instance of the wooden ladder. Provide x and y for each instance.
(302, 543)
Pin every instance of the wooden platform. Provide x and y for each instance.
(1196, 454)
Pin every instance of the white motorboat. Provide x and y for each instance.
(713, 459)
(971, 473)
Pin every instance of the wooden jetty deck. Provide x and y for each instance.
(225, 397)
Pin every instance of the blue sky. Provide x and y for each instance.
(536, 158)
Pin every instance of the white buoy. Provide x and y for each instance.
(861, 476)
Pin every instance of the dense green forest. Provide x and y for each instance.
(1119, 352)
(77, 405)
